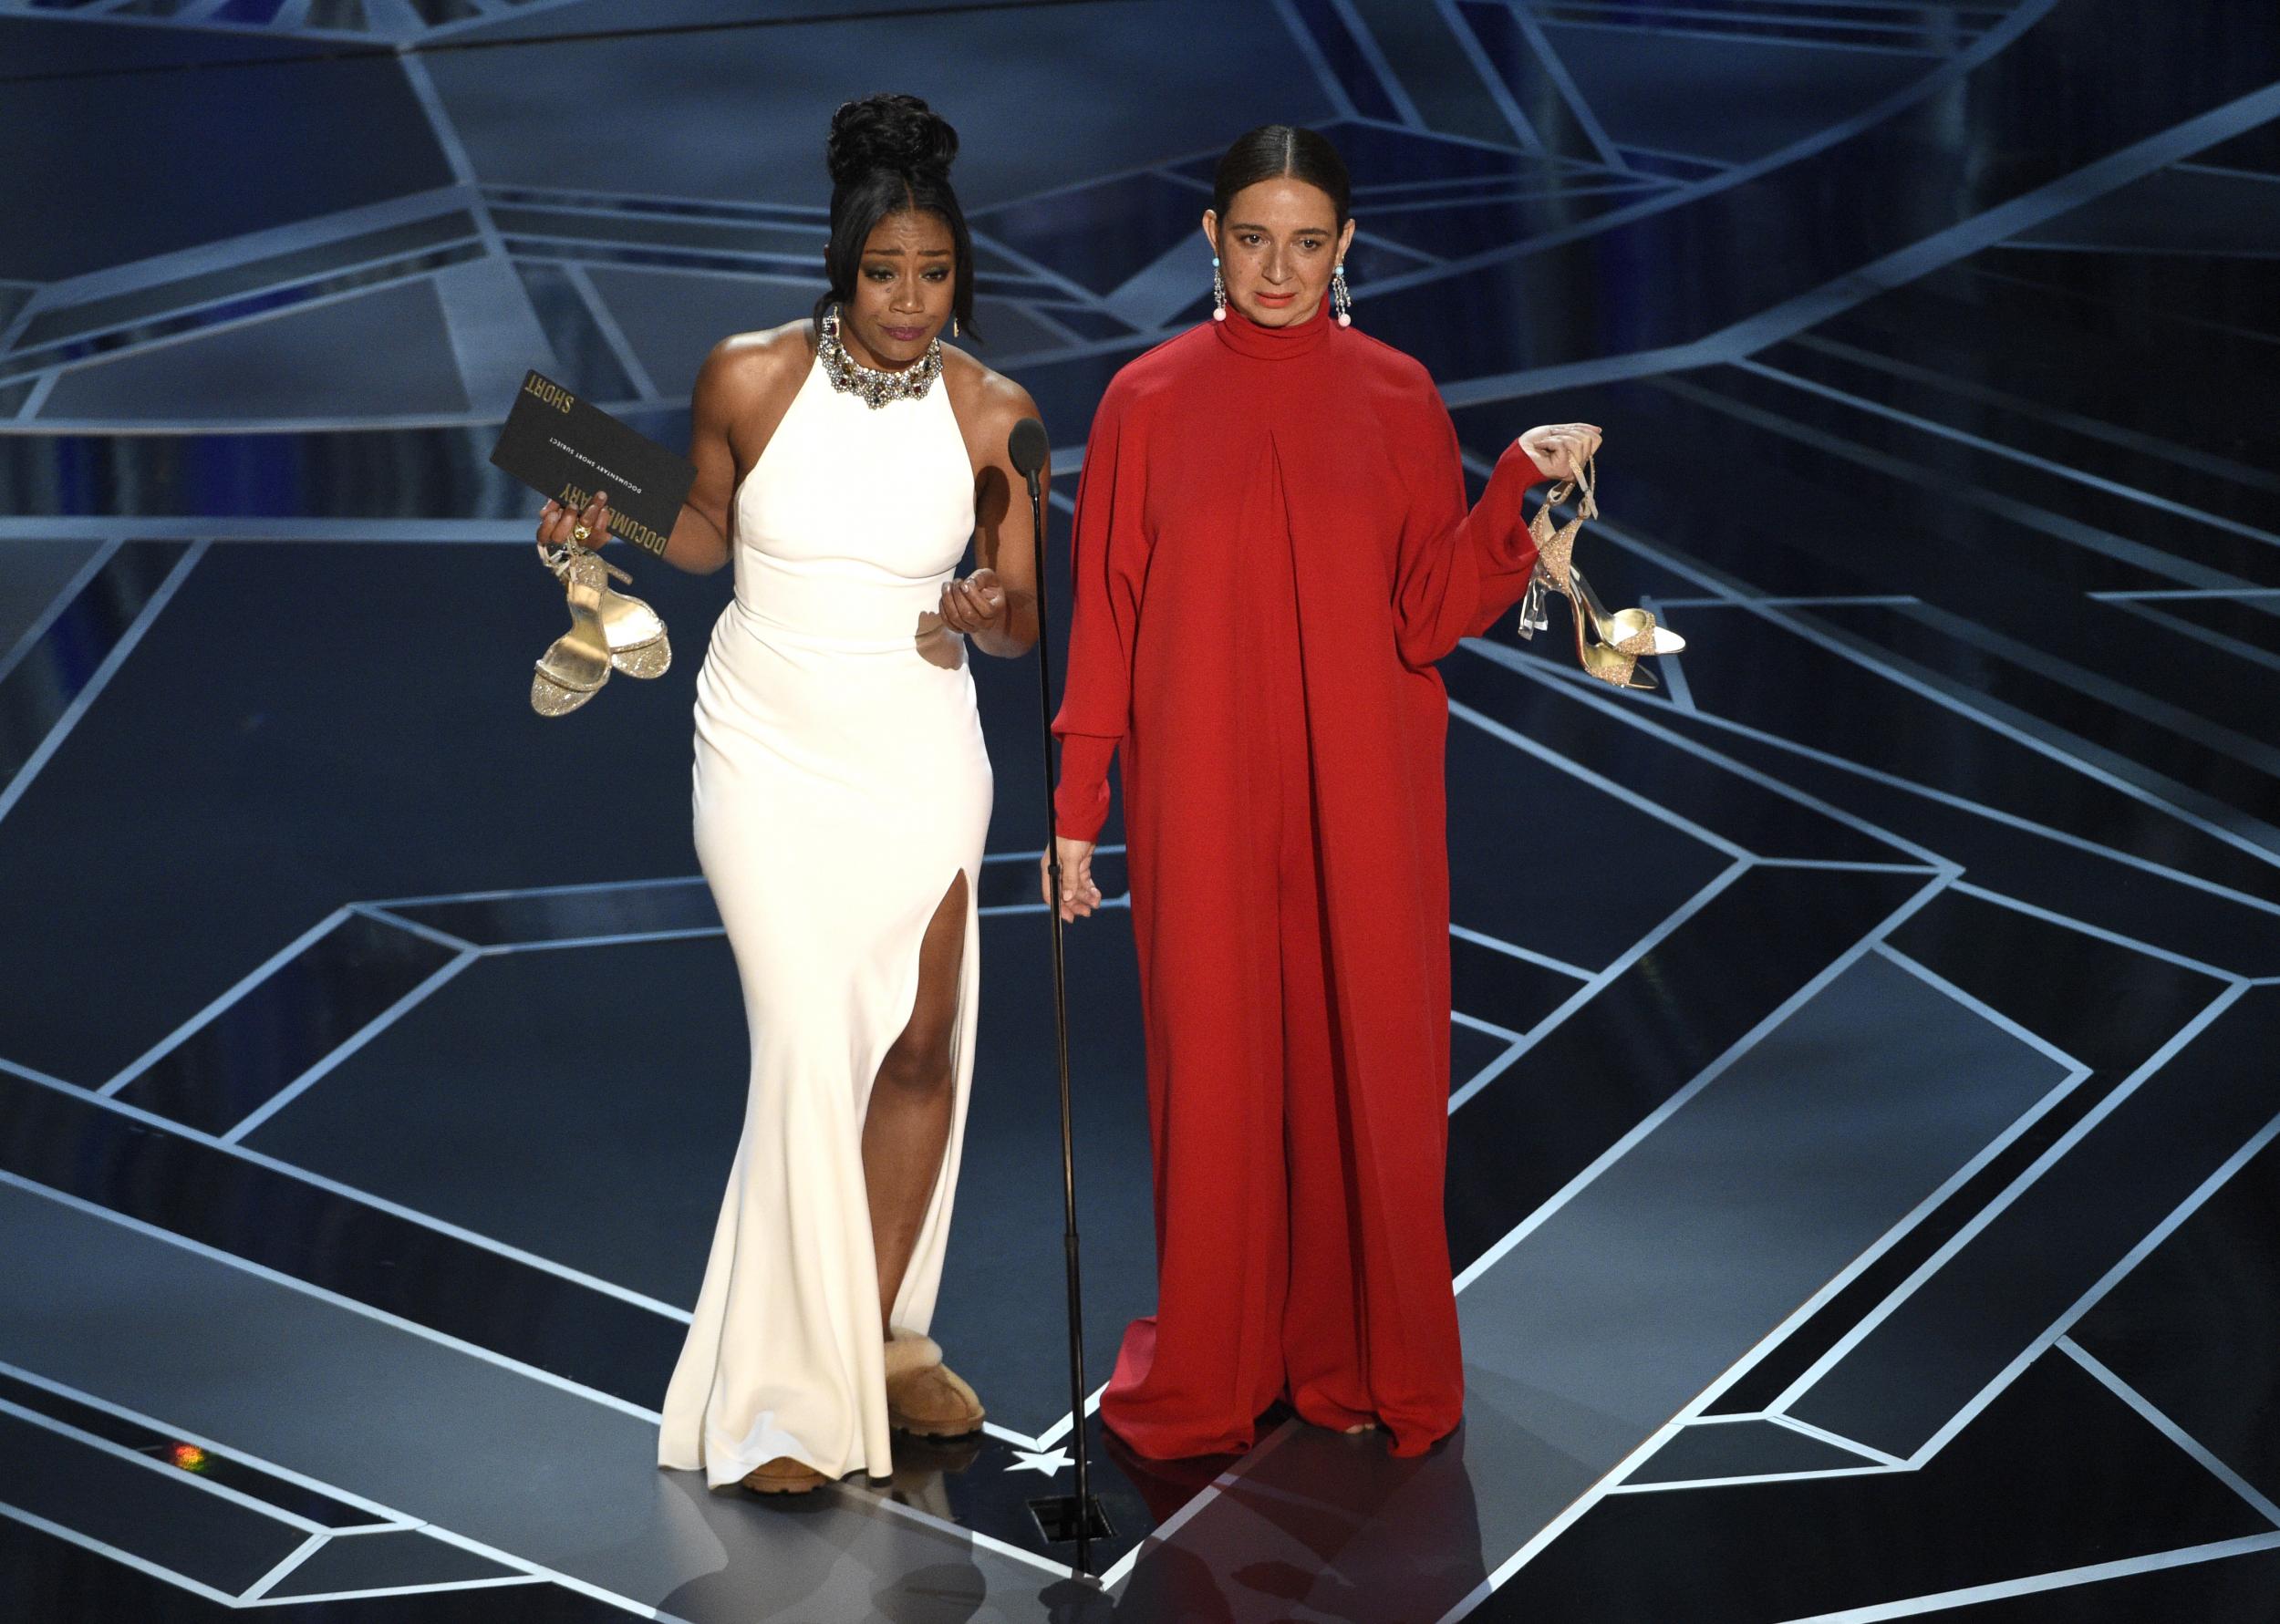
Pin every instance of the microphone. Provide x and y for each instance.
(1029, 450)
(1077, 1516)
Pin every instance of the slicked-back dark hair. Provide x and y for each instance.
(1276, 150)
(888, 155)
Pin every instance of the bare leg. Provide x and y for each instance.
(907, 1126)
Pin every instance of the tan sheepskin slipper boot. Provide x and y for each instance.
(924, 1395)
(783, 1476)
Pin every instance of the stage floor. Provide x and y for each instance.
(1861, 1170)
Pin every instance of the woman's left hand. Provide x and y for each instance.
(975, 605)
(1560, 450)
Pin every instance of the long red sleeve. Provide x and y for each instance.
(1107, 565)
(1458, 571)
(1081, 799)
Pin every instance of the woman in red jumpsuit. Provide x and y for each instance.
(1271, 549)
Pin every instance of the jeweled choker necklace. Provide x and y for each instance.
(874, 388)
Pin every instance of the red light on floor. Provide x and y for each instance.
(189, 1457)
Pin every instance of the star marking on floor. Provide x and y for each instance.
(1050, 1462)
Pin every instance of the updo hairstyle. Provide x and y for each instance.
(888, 154)
(1277, 149)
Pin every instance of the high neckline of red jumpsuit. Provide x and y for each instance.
(1247, 337)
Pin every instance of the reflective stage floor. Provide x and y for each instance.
(1861, 1173)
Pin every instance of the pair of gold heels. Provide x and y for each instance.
(1608, 646)
(609, 631)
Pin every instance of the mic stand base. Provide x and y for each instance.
(1056, 1517)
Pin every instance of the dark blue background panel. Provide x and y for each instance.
(267, 133)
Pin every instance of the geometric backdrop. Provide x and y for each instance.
(1862, 1168)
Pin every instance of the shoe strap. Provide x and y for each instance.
(570, 555)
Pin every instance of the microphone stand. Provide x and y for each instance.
(1082, 1512)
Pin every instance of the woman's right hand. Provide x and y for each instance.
(1079, 894)
(1560, 451)
(558, 525)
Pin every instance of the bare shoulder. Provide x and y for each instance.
(988, 403)
(744, 368)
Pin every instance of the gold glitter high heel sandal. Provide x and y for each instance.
(637, 644)
(1555, 545)
(576, 664)
(1634, 631)
(1607, 662)
(1610, 651)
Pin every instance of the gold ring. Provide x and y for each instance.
(580, 533)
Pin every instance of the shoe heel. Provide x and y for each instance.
(637, 644)
(1604, 660)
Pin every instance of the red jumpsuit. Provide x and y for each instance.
(1271, 549)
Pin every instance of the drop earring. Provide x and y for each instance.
(953, 326)
(1340, 299)
(1218, 292)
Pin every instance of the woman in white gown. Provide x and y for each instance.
(841, 798)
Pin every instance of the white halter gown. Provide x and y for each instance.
(841, 787)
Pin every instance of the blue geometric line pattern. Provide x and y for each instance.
(1857, 1076)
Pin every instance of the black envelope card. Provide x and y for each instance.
(562, 446)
